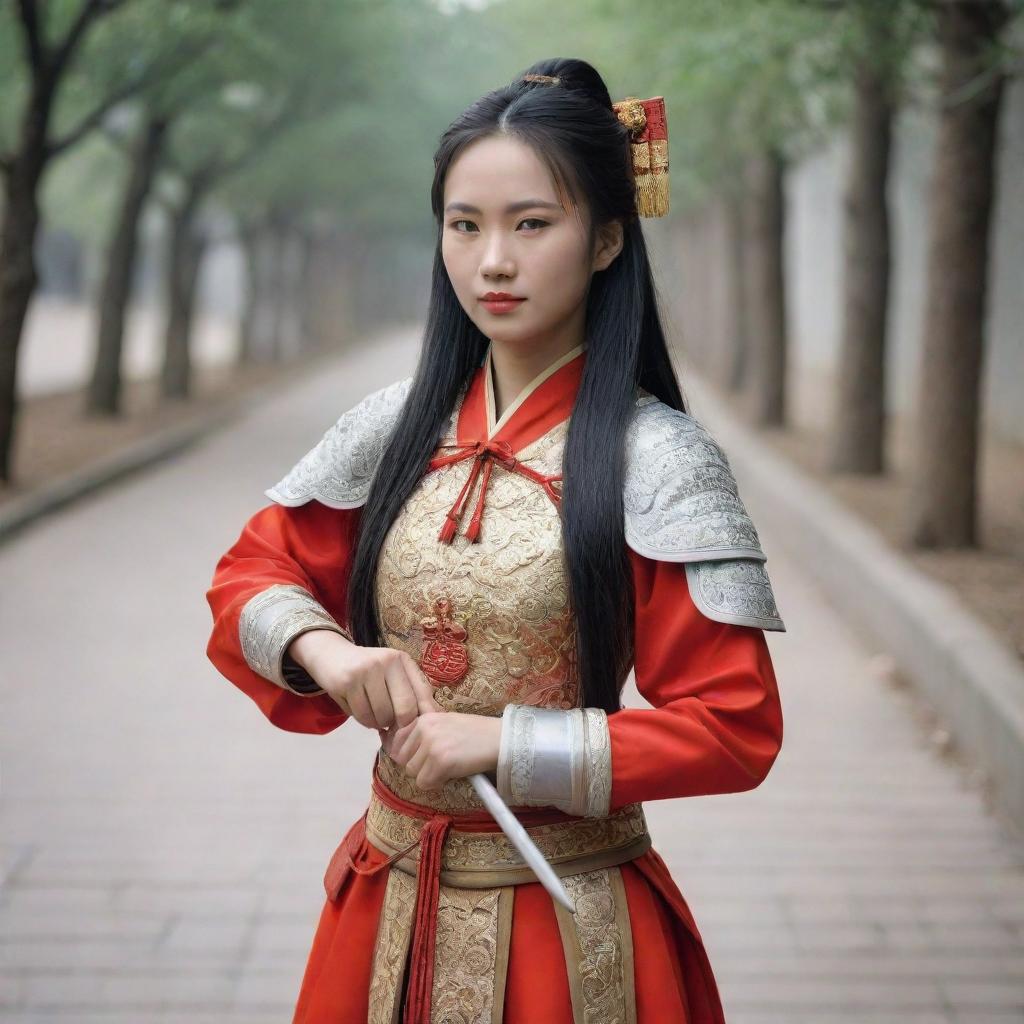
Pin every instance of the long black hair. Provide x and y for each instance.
(573, 128)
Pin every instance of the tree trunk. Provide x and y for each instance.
(18, 280)
(264, 300)
(856, 440)
(943, 475)
(706, 283)
(182, 273)
(328, 298)
(688, 305)
(277, 287)
(104, 394)
(304, 291)
(248, 237)
(290, 339)
(18, 276)
(765, 372)
(734, 352)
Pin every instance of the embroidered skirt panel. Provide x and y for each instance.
(503, 951)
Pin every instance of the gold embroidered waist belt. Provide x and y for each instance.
(469, 851)
(476, 854)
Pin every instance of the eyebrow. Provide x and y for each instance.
(522, 204)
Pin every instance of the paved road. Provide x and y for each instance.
(163, 846)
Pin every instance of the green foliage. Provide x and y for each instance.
(737, 77)
(401, 70)
(331, 109)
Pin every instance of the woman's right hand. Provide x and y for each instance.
(377, 686)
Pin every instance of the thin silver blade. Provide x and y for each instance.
(521, 840)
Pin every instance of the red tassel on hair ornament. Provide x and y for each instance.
(648, 133)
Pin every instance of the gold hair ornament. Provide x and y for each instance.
(648, 132)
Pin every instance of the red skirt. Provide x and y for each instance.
(673, 980)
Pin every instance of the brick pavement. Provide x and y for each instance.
(163, 846)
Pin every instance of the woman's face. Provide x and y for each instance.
(519, 237)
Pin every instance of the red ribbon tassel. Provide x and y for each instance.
(430, 839)
(428, 890)
(473, 530)
(484, 454)
(353, 848)
(421, 959)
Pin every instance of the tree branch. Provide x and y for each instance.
(91, 120)
(34, 46)
(218, 167)
(226, 167)
(88, 12)
(118, 141)
(157, 70)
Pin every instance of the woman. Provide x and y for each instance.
(606, 533)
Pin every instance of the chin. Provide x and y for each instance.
(505, 333)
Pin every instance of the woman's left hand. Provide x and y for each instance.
(441, 745)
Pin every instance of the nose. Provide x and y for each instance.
(496, 260)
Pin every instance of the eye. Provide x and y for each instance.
(529, 220)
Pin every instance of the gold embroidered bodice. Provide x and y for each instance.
(489, 621)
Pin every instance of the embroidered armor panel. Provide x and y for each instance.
(556, 758)
(270, 621)
(489, 621)
(734, 590)
(339, 469)
(681, 503)
(680, 498)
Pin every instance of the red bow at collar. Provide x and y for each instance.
(485, 453)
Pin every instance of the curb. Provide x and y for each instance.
(23, 511)
(967, 672)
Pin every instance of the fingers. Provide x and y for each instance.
(427, 781)
(409, 746)
(411, 692)
(361, 710)
(405, 687)
(387, 689)
(414, 764)
(388, 693)
(404, 742)
(378, 696)
(423, 691)
(398, 696)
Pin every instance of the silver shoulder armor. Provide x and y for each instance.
(681, 504)
(338, 470)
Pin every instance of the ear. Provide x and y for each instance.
(610, 238)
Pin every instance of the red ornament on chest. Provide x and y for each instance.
(445, 658)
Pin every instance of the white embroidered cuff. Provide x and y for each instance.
(554, 757)
(270, 621)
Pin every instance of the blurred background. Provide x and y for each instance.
(215, 237)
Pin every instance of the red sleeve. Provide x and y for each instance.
(311, 546)
(716, 721)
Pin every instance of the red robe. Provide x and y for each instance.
(714, 726)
